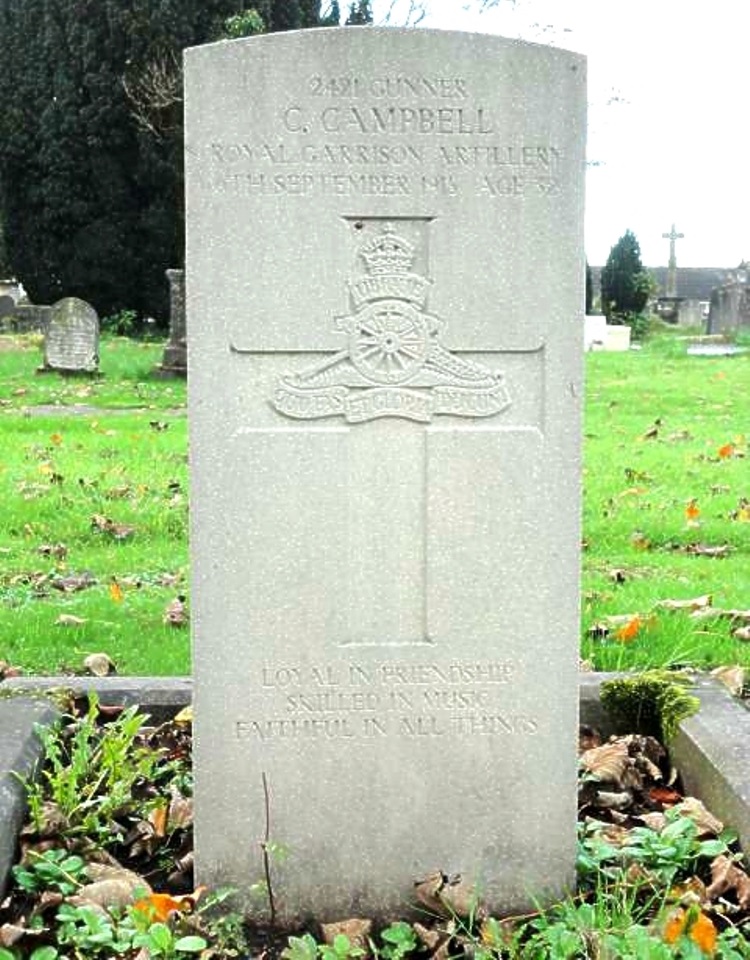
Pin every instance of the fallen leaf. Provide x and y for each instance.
(447, 896)
(703, 933)
(115, 592)
(118, 493)
(159, 907)
(733, 678)
(185, 716)
(176, 614)
(99, 664)
(705, 550)
(720, 613)
(728, 876)
(118, 531)
(726, 451)
(630, 630)
(56, 438)
(607, 762)
(356, 931)
(11, 933)
(694, 603)
(7, 671)
(639, 540)
(705, 821)
(654, 820)
(74, 582)
(68, 620)
(110, 887)
(614, 801)
(429, 937)
(692, 511)
(57, 550)
(665, 796)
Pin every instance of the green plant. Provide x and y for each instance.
(244, 24)
(52, 870)
(653, 702)
(399, 939)
(123, 323)
(307, 948)
(301, 948)
(340, 949)
(664, 854)
(160, 941)
(90, 774)
(626, 286)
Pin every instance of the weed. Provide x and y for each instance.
(51, 870)
(90, 776)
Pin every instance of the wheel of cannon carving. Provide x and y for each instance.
(389, 342)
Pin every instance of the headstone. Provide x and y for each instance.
(31, 318)
(594, 332)
(7, 306)
(174, 360)
(385, 281)
(71, 340)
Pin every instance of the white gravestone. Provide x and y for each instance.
(385, 268)
(71, 340)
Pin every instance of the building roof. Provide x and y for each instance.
(693, 283)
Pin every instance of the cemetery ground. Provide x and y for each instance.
(94, 484)
(93, 559)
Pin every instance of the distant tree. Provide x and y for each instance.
(626, 286)
(589, 289)
(91, 139)
(359, 13)
(333, 17)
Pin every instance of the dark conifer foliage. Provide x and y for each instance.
(91, 176)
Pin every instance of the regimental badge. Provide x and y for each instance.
(393, 364)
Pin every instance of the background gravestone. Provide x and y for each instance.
(174, 359)
(71, 339)
(385, 289)
(7, 310)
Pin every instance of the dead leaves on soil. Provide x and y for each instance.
(148, 868)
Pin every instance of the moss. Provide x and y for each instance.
(651, 703)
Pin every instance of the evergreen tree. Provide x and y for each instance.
(625, 284)
(91, 178)
(359, 13)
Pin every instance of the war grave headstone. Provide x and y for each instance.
(71, 339)
(385, 288)
(174, 359)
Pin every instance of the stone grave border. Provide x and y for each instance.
(711, 749)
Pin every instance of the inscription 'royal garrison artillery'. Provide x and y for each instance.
(393, 364)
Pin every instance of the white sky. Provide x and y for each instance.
(675, 144)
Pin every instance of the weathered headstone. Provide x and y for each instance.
(71, 340)
(385, 281)
(7, 306)
(174, 359)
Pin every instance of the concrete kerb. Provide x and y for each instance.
(711, 750)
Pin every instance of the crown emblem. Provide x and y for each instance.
(388, 259)
(388, 253)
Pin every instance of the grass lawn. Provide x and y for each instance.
(93, 532)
